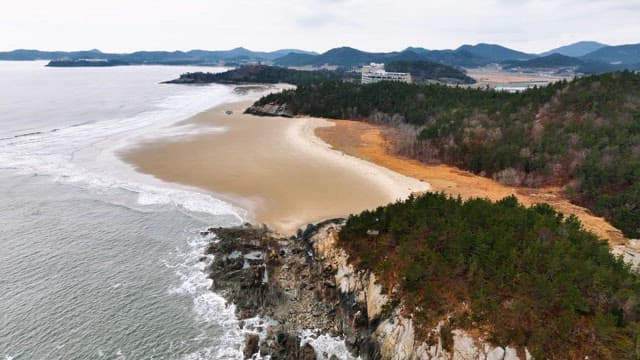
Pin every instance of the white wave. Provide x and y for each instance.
(211, 308)
(87, 154)
(326, 346)
(208, 306)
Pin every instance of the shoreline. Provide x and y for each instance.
(275, 168)
(354, 149)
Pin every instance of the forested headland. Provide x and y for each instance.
(263, 74)
(524, 277)
(583, 135)
(421, 72)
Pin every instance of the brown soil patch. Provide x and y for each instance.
(367, 141)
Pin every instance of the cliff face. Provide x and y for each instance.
(307, 282)
(392, 336)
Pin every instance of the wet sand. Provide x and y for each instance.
(368, 142)
(274, 167)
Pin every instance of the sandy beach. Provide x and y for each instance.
(274, 167)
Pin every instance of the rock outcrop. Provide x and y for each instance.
(630, 253)
(307, 282)
(269, 110)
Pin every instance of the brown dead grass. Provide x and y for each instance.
(367, 141)
(494, 77)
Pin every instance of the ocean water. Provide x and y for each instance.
(97, 261)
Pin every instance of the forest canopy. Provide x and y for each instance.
(527, 277)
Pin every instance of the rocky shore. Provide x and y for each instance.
(305, 282)
(269, 110)
(275, 278)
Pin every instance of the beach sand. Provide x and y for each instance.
(367, 141)
(276, 168)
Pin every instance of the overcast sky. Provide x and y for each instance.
(372, 25)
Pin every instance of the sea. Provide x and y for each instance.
(98, 261)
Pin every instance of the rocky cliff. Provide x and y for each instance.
(307, 282)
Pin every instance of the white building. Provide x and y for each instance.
(374, 73)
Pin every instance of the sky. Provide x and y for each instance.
(264, 25)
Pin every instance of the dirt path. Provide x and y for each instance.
(366, 141)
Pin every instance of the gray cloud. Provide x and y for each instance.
(376, 25)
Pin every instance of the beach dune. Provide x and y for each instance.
(276, 168)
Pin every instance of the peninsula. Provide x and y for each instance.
(430, 276)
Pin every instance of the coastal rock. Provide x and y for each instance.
(269, 110)
(397, 339)
(251, 345)
(307, 282)
(496, 354)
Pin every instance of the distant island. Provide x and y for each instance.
(252, 74)
(86, 63)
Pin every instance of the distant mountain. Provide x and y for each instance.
(596, 67)
(457, 58)
(578, 65)
(346, 56)
(350, 57)
(280, 53)
(427, 71)
(342, 56)
(623, 54)
(203, 57)
(295, 59)
(607, 58)
(24, 54)
(577, 49)
(242, 53)
(546, 62)
(495, 53)
(418, 50)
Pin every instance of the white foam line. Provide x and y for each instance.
(210, 307)
(207, 305)
(86, 154)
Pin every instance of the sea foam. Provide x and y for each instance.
(86, 154)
